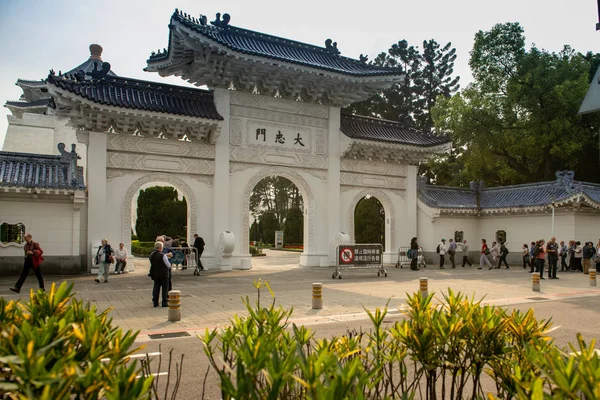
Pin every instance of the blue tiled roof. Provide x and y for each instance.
(366, 128)
(29, 104)
(448, 197)
(37, 171)
(516, 196)
(142, 95)
(275, 48)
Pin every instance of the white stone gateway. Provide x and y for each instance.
(273, 109)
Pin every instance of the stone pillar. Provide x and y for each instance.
(96, 186)
(221, 202)
(334, 211)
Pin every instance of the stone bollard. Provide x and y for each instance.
(424, 286)
(536, 281)
(592, 277)
(175, 305)
(317, 296)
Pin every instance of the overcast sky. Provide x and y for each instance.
(36, 35)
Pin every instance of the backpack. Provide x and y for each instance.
(437, 250)
(504, 250)
(536, 251)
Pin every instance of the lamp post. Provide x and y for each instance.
(552, 200)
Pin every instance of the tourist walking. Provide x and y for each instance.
(540, 257)
(104, 257)
(33, 260)
(485, 252)
(562, 253)
(532, 257)
(121, 259)
(525, 255)
(503, 254)
(414, 254)
(578, 255)
(552, 250)
(199, 246)
(160, 268)
(441, 250)
(495, 252)
(465, 252)
(588, 253)
(452, 252)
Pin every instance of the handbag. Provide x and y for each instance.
(111, 259)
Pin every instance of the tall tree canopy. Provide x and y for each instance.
(159, 212)
(429, 74)
(277, 195)
(517, 122)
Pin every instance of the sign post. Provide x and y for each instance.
(359, 256)
(279, 239)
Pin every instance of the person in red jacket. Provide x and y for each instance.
(484, 255)
(33, 260)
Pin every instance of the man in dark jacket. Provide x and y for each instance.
(159, 272)
(199, 246)
(588, 253)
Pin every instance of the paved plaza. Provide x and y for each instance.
(210, 300)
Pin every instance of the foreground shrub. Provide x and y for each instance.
(57, 347)
(440, 351)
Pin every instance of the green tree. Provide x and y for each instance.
(293, 231)
(275, 194)
(269, 224)
(255, 231)
(428, 75)
(369, 221)
(160, 212)
(518, 121)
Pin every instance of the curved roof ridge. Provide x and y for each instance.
(434, 187)
(246, 41)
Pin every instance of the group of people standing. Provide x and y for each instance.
(494, 257)
(105, 256)
(161, 267)
(573, 257)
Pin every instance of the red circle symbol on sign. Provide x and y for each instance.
(347, 255)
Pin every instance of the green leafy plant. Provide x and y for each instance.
(56, 347)
(442, 350)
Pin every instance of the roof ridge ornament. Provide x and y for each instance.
(202, 20)
(221, 23)
(364, 59)
(331, 47)
(96, 73)
(69, 159)
(567, 180)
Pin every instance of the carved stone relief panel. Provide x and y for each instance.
(389, 182)
(148, 162)
(136, 144)
(372, 167)
(320, 141)
(276, 104)
(262, 156)
(235, 135)
(276, 116)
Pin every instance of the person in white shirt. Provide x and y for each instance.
(465, 250)
(121, 257)
(442, 247)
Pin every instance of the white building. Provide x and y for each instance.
(273, 108)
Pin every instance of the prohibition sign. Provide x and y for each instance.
(347, 255)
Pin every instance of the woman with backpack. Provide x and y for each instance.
(503, 253)
(485, 252)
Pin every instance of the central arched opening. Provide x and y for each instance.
(369, 221)
(276, 219)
